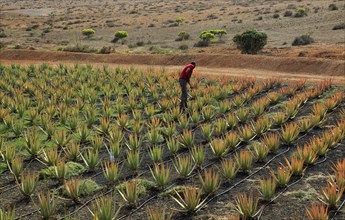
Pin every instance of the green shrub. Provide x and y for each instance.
(250, 41)
(119, 35)
(301, 12)
(183, 35)
(88, 32)
(219, 32)
(179, 20)
(303, 40)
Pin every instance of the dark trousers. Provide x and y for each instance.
(184, 94)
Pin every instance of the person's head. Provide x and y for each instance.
(193, 63)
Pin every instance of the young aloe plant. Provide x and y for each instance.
(219, 148)
(283, 176)
(190, 199)
(158, 213)
(246, 133)
(91, 159)
(161, 174)
(207, 132)
(72, 188)
(184, 165)
(50, 156)
(129, 192)
(290, 133)
(247, 205)
(211, 181)
(111, 171)
(232, 139)
(295, 165)
(229, 168)
(105, 208)
(198, 155)
(33, 142)
(72, 151)
(317, 212)
(187, 139)
(331, 195)
(173, 145)
(244, 160)
(16, 166)
(155, 154)
(231, 120)
(133, 160)
(7, 215)
(267, 188)
(28, 184)
(47, 205)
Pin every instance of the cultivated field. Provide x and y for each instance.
(90, 125)
(83, 140)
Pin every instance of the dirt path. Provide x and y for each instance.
(261, 67)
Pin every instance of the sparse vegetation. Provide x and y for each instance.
(303, 40)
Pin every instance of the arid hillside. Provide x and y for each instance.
(153, 26)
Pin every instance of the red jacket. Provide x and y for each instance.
(184, 74)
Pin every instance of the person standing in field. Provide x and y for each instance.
(184, 80)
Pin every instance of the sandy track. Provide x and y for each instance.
(261, 67)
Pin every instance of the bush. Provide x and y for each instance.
(339, 26)
(183, 35)
(104, 50)
(303, 40)
(202, 43)
(88, 32)
(140, 43)
(79, 48)
(219, 32)
(250, 41)
(276, 16)
(183, 47)
(300, 13)
(206, 36)
(332, 7)
(2, 33)
(179, 20)
(119, 35)
(288, 14)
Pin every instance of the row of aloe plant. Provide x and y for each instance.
(215, 183)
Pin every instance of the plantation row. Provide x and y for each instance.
(121, 131)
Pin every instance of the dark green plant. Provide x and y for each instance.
(88, 32)
(250, 41)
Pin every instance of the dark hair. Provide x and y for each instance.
(193, 62)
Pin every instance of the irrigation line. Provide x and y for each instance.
(22, 216)
(338, 210)
(290, 185)
(144, 203)
(236, 184)
(210, 164)
(239, 182)
(284, 190)
(86, 203)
